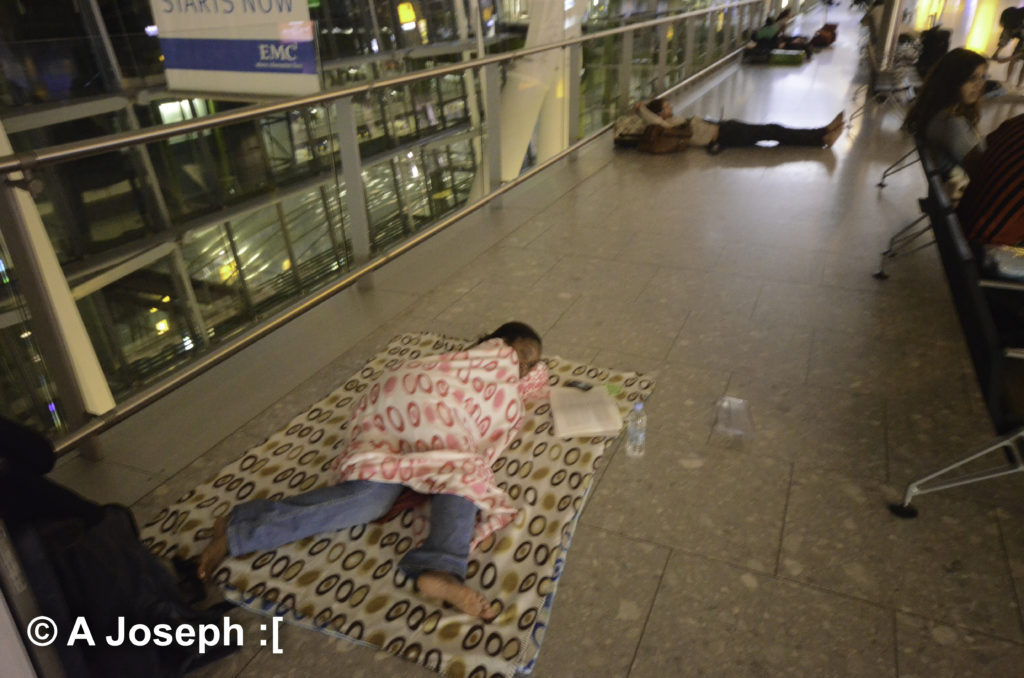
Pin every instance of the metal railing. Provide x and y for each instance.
(30, 160)
(27, 162)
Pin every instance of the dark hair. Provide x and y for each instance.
(941, 90)
(655, 105)
(509, 332)
(1012, 18)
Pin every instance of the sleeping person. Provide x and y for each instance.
(432, 425)
(652, 128)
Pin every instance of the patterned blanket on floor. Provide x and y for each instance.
(347, 583)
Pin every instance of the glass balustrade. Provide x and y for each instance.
(233, 224)
(27, 392)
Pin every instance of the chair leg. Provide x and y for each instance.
(1009, 444)
(898, 166)
(900, 241)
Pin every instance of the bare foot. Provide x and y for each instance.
(216, 551)
(831, 136)
(449, 589)
(837, 122)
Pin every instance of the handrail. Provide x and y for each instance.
(140, 400)
(186, 374)
(51, 155)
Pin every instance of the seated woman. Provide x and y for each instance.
(1012, 23)
(661, 132)
(946, 111)
(433, 425)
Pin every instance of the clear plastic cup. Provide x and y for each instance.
(732, 418)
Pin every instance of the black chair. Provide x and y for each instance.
(902, 242)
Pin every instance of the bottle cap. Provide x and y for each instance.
(638, 406)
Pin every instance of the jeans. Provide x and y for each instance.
(733, 133)
(260, 525)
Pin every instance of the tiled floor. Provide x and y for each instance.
(746, 274)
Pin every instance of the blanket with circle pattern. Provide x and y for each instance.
(347, 583)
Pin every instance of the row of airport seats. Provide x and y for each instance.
(981, 305)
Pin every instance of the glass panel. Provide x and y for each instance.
(92, 204)
(139, 327)
(388, 224)
(213, 272)
(264, 259)
(318, 254)
(28, 395)
(703, 46)
(721, 27)
(645, 63)
(191, 169)
(599, 89)
(40, 67)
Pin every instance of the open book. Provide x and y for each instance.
(584, 413)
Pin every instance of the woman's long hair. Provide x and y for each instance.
(511, 331)
(941, 90)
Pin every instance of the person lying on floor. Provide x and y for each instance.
(652, 128)
(433, 425)
(773, 36)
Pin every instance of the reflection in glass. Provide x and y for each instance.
(27, 393)
(139, 327)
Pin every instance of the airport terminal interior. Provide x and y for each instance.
(746, 273)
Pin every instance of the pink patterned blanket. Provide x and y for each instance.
(436, 425)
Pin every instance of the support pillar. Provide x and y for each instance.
(56, 324)
(352, 171)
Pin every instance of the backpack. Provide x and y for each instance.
(81, 559)
(824, 36)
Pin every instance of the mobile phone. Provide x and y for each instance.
(581, 385)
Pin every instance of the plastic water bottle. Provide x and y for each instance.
(636, 431)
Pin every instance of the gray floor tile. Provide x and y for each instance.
(929, 649)
(814, 427)
(712, 619)
(601, 605)
(948, 564)
(740, 345)
(672, 496)
(103, 481)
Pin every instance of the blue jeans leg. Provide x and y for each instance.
(260, 524)
(446, 549)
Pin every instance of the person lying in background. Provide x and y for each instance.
(651, 127)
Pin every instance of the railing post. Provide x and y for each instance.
(574, 86)
(492, 111)
(352, 171)
(625, 71)
(734, 28)
(183, 286)
(57, 326)
(691, 38)
(662, 69)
